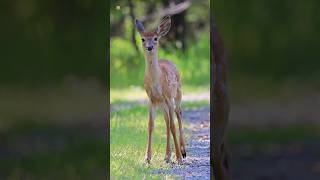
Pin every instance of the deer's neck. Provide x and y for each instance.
(152, 69)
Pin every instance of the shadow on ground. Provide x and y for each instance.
(291, 153)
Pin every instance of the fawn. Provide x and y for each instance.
(163, 86)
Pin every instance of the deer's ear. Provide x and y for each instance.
(139, 26)
(164, 26)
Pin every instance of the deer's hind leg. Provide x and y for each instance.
(173, 131)
(178, 111)
(165, 111)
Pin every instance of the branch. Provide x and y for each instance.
(171, 10)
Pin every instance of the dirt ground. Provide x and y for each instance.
(293, 155)
(197, 163)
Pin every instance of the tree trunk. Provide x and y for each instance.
(133, 31)
(220, 161)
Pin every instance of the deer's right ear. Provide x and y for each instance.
(139, 26)
(164, 26)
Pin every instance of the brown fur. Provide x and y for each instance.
(148, 34)
(169, 83)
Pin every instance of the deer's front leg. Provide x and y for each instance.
(152, 114)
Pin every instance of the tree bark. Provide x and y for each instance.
(220, 157)
(133, 31)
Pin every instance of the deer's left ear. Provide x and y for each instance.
(164, 26)
(139, 26)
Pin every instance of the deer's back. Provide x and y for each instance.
(170, 77)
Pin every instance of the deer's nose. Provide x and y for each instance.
(149, 48)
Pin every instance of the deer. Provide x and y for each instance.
(220, 156)
(163, 87)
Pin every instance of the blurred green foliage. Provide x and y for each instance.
(273, 40)
(45, 41)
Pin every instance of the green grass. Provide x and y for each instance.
(128, 143)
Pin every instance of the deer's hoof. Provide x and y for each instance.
(147, 160)
(179, 161)
(167, 160)
(183, 153)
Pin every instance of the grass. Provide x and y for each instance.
(257, 136)
(135, 93)
(129, 139)
(128, 142)
(49, 133)
(41, 151)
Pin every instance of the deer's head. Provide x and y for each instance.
(150, 40)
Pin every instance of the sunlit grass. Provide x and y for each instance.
(128, 142)
(134, 93)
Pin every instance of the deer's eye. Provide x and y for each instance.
(142, 40)
(155, 39)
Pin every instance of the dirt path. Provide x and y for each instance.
(197, 163)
